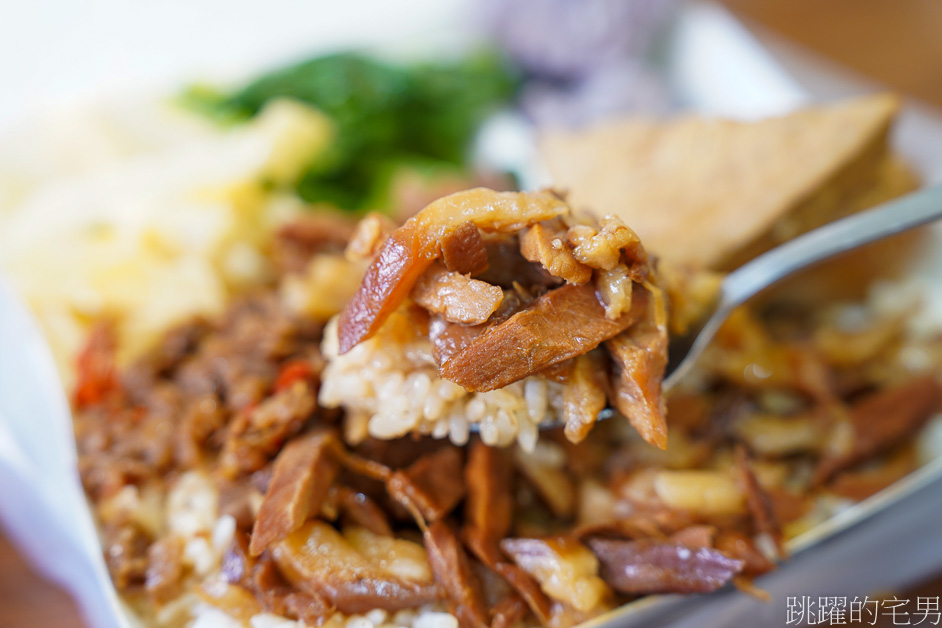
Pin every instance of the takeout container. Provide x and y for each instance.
(885, 542)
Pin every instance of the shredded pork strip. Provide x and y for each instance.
(456, 297)
(545, 243)
(639, 567)
(559, 325)
(433, 483)
(882, 420)
(453, 573)
(464, 251)
(303, 473)
(584, 396)
(640, 357)
(489, 507)
(318, 560)
(410, 250)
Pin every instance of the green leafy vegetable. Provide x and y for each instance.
(386, 116)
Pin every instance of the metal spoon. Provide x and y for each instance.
(763, 272)
(806, 250)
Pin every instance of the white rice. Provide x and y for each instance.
(395, 387)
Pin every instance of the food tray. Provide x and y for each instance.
(885, 542)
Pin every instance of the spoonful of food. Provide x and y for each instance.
(494, 319)
(795, 255)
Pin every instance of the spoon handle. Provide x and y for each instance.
(815, 246)
(833, 239)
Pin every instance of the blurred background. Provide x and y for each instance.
(834, 46)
